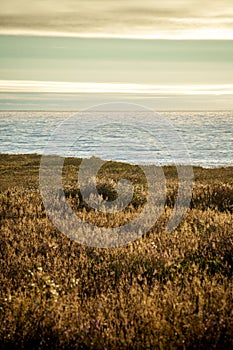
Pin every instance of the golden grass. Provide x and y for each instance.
(163, 291)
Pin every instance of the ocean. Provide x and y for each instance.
(207, 137)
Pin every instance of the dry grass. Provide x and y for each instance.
(163, 291)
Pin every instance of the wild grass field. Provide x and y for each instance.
(162, 291)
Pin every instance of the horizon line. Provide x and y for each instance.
(84, 109)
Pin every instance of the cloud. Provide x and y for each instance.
(99, 17)
(90, 87)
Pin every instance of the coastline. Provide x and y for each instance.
(18, 169)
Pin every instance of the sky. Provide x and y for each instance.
(161, 19)
(67, 55)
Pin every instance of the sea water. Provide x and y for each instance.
(206, 136)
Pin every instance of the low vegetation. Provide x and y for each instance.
(162, 291)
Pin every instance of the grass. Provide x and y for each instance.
(163, 291)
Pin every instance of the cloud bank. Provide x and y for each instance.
(178, 19)
(90, 87)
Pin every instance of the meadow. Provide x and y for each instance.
(162, 291)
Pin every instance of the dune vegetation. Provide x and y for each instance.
(162, 291)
